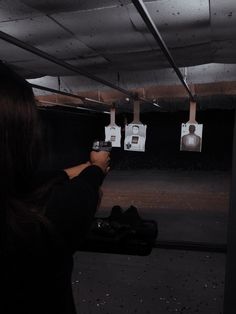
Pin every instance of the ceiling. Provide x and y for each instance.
(109, 39)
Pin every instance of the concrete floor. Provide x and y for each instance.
(166, 281)
(188, 207)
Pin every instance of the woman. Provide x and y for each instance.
(43, 217)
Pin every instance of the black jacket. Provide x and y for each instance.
(37, 277)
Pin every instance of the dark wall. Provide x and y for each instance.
(69, 137)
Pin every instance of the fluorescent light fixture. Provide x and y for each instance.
(155, 102)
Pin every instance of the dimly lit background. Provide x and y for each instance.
(69, 136)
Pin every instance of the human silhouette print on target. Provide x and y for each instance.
(191, 137)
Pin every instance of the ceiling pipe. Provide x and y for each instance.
(61, 63)
(141, 8)
(55, 91)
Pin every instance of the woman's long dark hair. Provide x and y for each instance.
(20, 151)
(19, 132)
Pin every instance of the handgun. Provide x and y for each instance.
(102, 146)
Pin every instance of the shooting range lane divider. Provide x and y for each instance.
(135, 132)
(113, 131)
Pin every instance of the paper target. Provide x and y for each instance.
(191, 137)
(113, 134)
(135, 137)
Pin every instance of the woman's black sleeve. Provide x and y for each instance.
(72, 205)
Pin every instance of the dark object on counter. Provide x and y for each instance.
(123, 232)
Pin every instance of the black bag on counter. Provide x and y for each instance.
(122, 233)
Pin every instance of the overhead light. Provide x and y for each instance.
(95, 101)
(155, 102)
(89, 109)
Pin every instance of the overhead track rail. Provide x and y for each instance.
(49, 104)
(65, 65)
(141, 8)
(55, 91)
